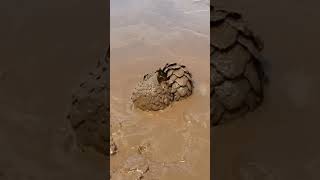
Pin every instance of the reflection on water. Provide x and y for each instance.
(144, 36)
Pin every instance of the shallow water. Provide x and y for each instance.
(144, 37)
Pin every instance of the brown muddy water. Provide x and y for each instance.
(173, 143)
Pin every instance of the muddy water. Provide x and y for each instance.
(145, 36)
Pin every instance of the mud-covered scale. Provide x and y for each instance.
(159, 89)
(237, 77)
(179, 80)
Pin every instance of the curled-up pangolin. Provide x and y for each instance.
(159, 89)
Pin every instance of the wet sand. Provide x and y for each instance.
(280, 139)
(175, 142)
(47, 50)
